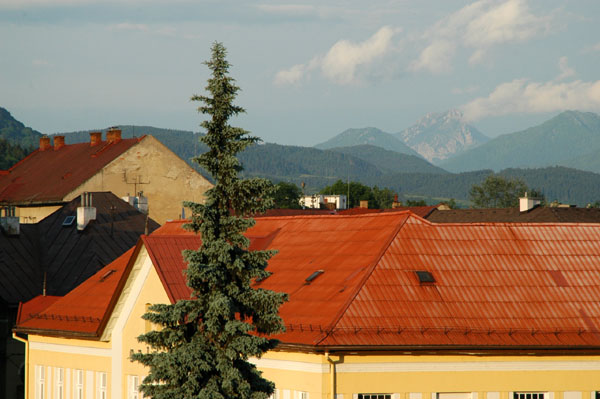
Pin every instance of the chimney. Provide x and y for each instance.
(59, 142)
(95, 138)
(44, 143)
(9, 222)
(528, 203)
(86, 212)
(113, 135)
(396, 203)
(364, 204)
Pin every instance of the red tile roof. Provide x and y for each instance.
(496, 285)
(83, 311)
(48, 176)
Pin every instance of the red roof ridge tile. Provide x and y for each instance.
(367, 275)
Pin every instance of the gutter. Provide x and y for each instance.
(26, 342)
(332, 374)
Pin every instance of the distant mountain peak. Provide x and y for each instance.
(437, 136)
(367, 135)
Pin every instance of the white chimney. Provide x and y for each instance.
(527, 203)
(139, 202)
(86, 212)
(9, 222)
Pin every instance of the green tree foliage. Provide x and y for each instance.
(420, 202)
(202, 347)
(499, 192)
(10, 154)
(378, 198)
(287, 196)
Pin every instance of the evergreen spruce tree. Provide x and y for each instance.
(202, 344)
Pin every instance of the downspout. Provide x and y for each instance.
(332, 374)
(26, 342)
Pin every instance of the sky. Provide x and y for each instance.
(308, 70)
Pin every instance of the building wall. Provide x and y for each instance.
(34, 214)
(150, 167)
(430, 377)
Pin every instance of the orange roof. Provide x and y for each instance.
(83, 311)
(48, 175)
(496, 285)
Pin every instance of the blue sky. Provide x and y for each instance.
(308, 70)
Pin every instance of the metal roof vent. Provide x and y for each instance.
(425, 276)
(313, 276)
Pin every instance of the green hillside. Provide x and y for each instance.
(390, 161)
(16, 133)
(367, 135)
(567, 136)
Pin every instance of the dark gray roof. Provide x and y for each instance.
(65, 255)
(539, 214)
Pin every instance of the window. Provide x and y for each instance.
(59, 375)
(275, 394)
(302, 395)
(101, 382)
(40, 382)
(597, 396)
(133, 383)
(529, 395)
(78, 384)
(374, 396)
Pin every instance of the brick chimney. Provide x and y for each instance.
(113, 135)
(44, 143)
(59, 142)
(95, 138)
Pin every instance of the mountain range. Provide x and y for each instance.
(571, 138)
(367, 135)
(406, 173)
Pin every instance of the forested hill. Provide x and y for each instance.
(15, 132)
(319, 168)
(16, 140)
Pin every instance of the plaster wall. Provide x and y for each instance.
(151, 167)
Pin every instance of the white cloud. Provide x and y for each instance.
(594, 48)
(40, 63)
(344, 61)
(436, 57)
(523, 96)
(479, 26)
(129, 26)
(565, 70)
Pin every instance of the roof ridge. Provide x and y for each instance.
(345, 307)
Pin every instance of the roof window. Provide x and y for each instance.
(313, 276)
(68, 221)
(425, 276)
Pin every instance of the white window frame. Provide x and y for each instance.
(101, 383)
(59, 383)
(40, 382)
(78, 384)
(133, 387)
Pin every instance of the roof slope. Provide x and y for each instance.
(48, 176)
(539, 214)
(497, 286)
(65, 255)
(83, 310)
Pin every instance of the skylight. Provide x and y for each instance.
(313, 276)
(68, 221)
(425, 276)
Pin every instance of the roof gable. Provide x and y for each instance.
(84, 311)
(48, 176)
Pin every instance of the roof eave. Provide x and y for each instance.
(57, 333)
(521, 350)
